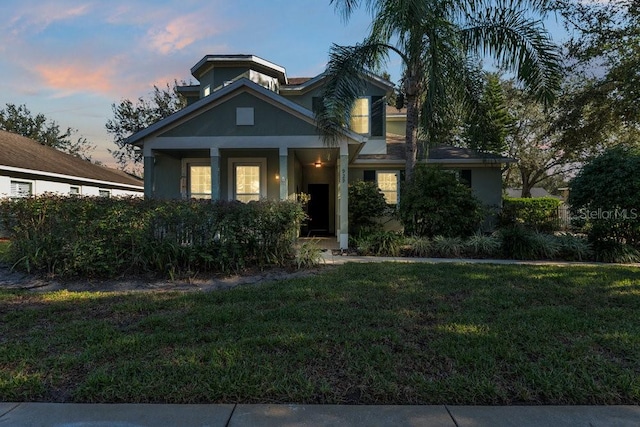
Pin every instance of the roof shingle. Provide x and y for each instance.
(20, 152)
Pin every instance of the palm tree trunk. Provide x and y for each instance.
(411, 130)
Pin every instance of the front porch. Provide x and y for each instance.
(253, 174)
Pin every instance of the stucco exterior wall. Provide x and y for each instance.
(168, 173)
(221, 121)
(486, 184)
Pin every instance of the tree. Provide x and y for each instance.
(606, 194)
(130, 118)
(604, 55)
(18, 119)
(490, 121)
(435, 40)
(435, 203)
(533, 142)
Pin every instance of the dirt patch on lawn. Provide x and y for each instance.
(20, 281)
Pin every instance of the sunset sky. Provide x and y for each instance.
(72, 59)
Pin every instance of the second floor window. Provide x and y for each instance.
(360, 116)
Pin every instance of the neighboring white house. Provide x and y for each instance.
(28, 168)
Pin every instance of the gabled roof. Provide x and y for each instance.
(21, 154)
(226, 91)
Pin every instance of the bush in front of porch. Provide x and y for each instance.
(107, 237)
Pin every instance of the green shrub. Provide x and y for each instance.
(435, 203)
(574, 248)
(447, 247)
(540, 214)
(377, 243)
(308, 254)
(517, 242)
(417, 247)
(546, 246)
(366, 204)
(482, 246)
(615, 252)
(111, 236)
(605, 196)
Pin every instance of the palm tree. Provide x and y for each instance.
(436, 40)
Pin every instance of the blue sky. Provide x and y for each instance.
(72, 59)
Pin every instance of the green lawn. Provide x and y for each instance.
(361, 333)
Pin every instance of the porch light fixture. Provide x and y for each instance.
(318, 164)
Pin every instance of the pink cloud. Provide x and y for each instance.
(181, 32)
(78, 77)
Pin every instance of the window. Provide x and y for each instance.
(207, 90)
(247, 183)
(74, 190)
(247, 179)
(199, 181)
(360, 116)
(388, 184)
(104, 193)
(21, 189)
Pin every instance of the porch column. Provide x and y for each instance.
(149, 174)
(343, 183)
(215, 173)
(284, 175)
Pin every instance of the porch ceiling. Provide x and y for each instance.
(309, 156)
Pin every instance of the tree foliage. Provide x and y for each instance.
(436, 41)
(606, 194)
(129, 118)
(604, 54)
(490, 122)
(366, 203)
(435, 203)
(18, 119)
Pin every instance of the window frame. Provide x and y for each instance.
(71, 193)
(18, 194)
(233, 162)
(103, 192)
(368, 116)
(397, 190)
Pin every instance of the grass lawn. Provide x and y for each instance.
(360, 333)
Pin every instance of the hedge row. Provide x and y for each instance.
(540, 214)
(108, 237)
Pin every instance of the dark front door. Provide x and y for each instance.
(318, 209)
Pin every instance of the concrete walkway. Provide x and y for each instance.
(138, 415)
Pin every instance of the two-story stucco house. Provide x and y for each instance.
(248, 132)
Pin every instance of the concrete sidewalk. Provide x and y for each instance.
(138, 415)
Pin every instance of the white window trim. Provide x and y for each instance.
(104, 190)
(184, 176)
(23, 181)
(79, 193)
(246, 161)
(397, 173)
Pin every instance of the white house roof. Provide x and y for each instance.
(19, 154)
(275, 98)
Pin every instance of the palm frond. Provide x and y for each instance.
(518, 44)
(344, 83)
